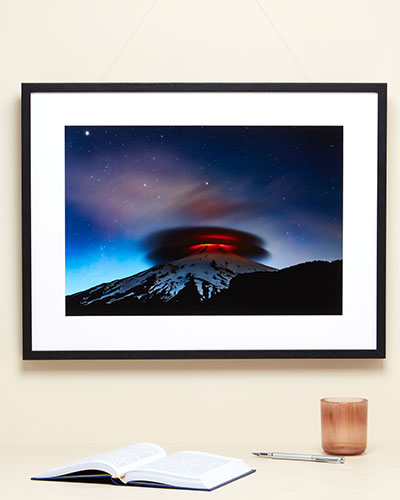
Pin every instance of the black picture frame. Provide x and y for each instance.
(30, 89)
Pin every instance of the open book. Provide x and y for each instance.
(147, 464)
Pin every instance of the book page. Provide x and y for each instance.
(187, 463)
(189, 469)
(126, 458)
(115, 462)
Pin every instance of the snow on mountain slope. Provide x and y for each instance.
(209, 267)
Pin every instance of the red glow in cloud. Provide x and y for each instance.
(216, 237)
(173, 244)
(213, 246)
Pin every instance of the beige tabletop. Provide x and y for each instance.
(371, 476)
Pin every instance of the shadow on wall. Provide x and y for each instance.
(204, 365)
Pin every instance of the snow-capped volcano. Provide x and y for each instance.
(208, 270)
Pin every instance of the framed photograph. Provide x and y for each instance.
(203, 220)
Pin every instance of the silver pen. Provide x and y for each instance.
(300, 456)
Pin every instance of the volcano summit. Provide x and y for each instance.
(208, 272)
(191, 279)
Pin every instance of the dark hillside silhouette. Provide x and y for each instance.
(312, 288)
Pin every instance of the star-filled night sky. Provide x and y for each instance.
(122, 184)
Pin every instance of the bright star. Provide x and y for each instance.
(87, 132)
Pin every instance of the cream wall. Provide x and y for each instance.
(261, 401)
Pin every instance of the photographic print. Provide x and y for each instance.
(203, 220)
(174, 221)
